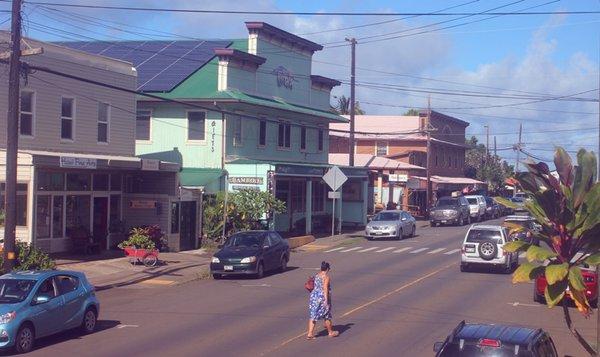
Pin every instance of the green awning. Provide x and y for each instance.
(198, 177)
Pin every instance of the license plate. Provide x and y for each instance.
(228, 267)
(470, 250)
(444, 221)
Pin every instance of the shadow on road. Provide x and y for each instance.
(339, 328)
(252, 277)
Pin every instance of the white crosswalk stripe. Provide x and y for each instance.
(334, 249)
(402, 250)
(452, 251)
(418, 250)
(351, 249)
(435, 251)
(368, 249)
(385, 249)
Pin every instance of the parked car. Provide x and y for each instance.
(482, 246)
(506, 211)
(36, 304)
(450, 210)
(589, 279)
(251, 253)
(392, 223)
(519, 203)
(477, 207)
(527, 222)
(471, 339)
(492, 208)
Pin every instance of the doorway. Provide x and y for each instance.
(100, 229)
(187, 233)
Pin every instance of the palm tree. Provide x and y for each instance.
(343, 106)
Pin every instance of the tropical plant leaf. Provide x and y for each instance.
(515, 246)
(535, 253)
(556, 272)
(581, 301)
(554, 293)
(564, 166)
(527, 272)
(593, 259)
(591, 205)
(576, 279)
(528, 182)
(507, 203)
(584, 175)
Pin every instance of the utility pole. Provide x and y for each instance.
(487, 141)
(495, 149)
(352, 97)
(518, 148)
(12, 139)
(428, 166)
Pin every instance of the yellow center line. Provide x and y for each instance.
(407, 285)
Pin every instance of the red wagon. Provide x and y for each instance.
(148, 257)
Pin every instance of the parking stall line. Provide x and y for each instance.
(435, 251)
(334, 249)
(418, 250)
(402, 250)
(368, 249)
(385, 249)
(351, 249)
(452, 251)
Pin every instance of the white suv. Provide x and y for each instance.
(477, 206)
(483, 246)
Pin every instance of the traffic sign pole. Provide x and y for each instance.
(333, 217)
(334, 178)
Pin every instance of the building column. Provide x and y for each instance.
(365, 196)
(308, 211)
(380, 186)
(405, 197)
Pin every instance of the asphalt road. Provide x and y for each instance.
(389, 298)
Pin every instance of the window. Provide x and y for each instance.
(175, 217)
(283, 140)
(262, 133)
(66, 118)
(42, 226)
(100, 182)
(47, 289)
(103, 120)
(303, 138)
(142, 125)
(50, 181)
(78, 213)
(237, 131)
(66, 284)
(318, 196)
(320, 139)
(21, 202)
(26, 114)
(115, 182)
(58, 202)
(196, 125)
(382, 148)
(78, 182)
(298, 196)
(115, 209)
(282, 189)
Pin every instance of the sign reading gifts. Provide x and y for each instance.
(78, 162)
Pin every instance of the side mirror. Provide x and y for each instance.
(437, 347)
(40, 299)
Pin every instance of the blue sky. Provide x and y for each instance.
(547, 54)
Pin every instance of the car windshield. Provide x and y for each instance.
(447, 202)
(387, 216)
(478, 235)
(247, 239)
(13, 291)
(472, 201)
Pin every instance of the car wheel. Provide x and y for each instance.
(25, 339)
(487, 249)
(216, 276)
(464, 268)
(88, 325)
(400, 234)
(260, 271)
(413, 232)
(283, 266)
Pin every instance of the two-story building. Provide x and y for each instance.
(404, 138)
(77, 168)
(249, 115)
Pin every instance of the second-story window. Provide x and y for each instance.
(196, 125)
(66, 118)
(26, 115)
(382, 148)
(283, 140)
(103, 120)
(303, 138)
(237, 131)
(142, 125)
(262, 133)
(320, 139)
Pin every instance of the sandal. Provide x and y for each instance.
(310, 337)
(334, 334)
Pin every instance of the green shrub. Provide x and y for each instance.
(139, 239)
(30, 258)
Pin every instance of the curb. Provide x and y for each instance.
(295, 242)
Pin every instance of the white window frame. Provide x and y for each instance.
(237, 120)
(262, 146)
(72, 118)
(187, 127)
(108, 117)
(151, 114)
(33, 100)
(289, 147)
(387, 147)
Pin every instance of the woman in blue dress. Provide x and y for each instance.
(319, 304)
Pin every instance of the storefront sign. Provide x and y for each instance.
(298, 170)
(246, 180)
(212, 135)
(142, 204)
(240, 187)
(78, 162)
(285, 78)
(150, 165)
(398, 178)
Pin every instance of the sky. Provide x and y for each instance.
(460, 56)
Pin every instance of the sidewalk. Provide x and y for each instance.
(172, 269)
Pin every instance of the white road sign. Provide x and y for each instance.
(335, 178)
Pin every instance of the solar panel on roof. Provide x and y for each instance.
(161, 65)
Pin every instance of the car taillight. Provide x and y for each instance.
(487, 342)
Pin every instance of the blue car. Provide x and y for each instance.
(35, 304)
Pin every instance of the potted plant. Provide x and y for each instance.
(139, 247)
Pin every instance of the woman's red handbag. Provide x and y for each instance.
(310, 284)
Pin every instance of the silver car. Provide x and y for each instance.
(391, 223)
